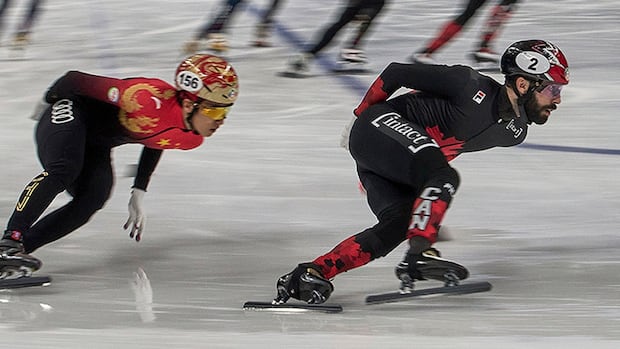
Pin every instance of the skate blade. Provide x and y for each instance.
(218, 49)
(292, 307)
(294, 75)
(352, 71)
(28, 281)
(347, 67)
(258, 43)
(462, 289)
(488, 67)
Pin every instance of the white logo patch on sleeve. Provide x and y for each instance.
(479, 97)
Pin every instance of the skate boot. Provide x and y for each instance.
(299, 65)
(305, 283)
(428, 265)
(485, 55)
(14, 261)
(422, 57)
(352, 55)
(192, 46)
(262, 36)
(217, 42)
(214, 42)
(20, 41)
(352, 59)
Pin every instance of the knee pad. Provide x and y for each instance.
(432, 203)
(447, 178)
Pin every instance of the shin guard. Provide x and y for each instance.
(431, 205)
(345, 256)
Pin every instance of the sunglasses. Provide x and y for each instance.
(551, 90)
(215, 113)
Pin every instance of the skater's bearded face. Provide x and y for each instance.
(543, 102)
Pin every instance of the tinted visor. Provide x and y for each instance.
(550, 90)
(215, 113)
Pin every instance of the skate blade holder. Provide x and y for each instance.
(317, 298)
(282, 296)
(450, 279)
(406, 284)
(11, 272)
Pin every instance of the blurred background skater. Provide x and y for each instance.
(500, 13)
(351, 56)
(21, 38)
(212, 35)
(265, 26)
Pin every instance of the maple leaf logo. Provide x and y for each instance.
(450, 146)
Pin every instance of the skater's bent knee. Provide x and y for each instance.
(386, 235)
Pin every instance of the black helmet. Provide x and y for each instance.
(537, 60)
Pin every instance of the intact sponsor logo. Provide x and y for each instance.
(415, 140)
(512, 127)
(62, 112)
(479, 97)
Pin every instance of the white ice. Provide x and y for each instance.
(272, 188)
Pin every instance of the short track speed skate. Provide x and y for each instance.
(487, 68)
(15, 275)
(451, 289)
(26, 281)
(351, 68)
(305, 283)
(16, 266)
(263, 32)
(428, 265)
(485, 61)
(298, 67)
(351, 61)
(292, 307)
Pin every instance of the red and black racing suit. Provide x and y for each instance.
(88, 116)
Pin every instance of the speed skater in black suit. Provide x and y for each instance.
(402, 146)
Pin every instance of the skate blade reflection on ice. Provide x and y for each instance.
(17, 311)
(141, 286)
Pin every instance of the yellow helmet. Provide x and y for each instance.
(208, 77)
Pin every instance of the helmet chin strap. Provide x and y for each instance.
(522, 99)
(191, 116)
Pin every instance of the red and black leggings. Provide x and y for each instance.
(409, 186)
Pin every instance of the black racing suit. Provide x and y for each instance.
(363, 10)
(402, 147)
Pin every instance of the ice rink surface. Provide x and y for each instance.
(272, 188)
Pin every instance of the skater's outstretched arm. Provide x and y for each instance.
(429, 78)
(137, 216)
